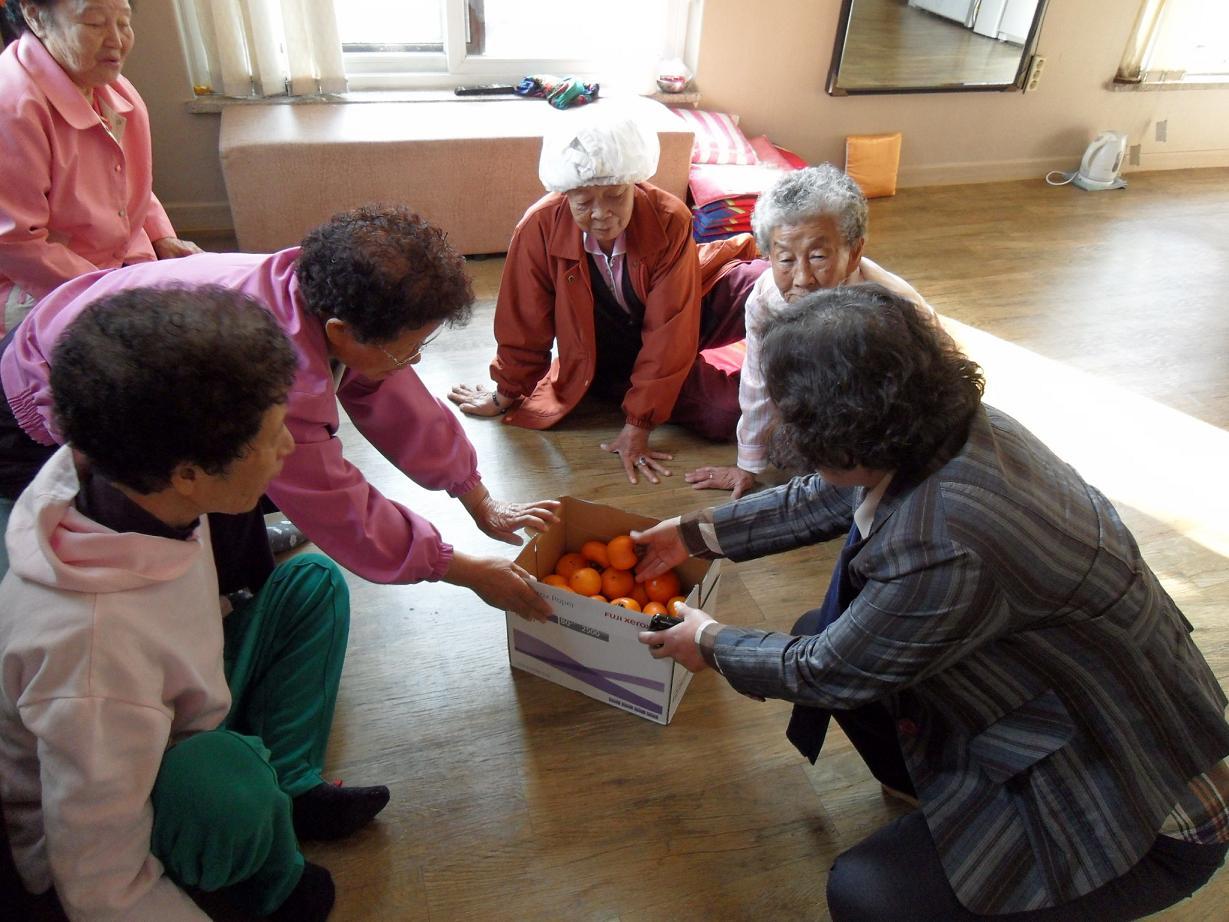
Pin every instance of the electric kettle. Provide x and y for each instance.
(1102, 163)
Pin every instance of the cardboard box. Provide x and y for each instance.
(591, 647)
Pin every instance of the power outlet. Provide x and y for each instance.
(1035, 67)
(1133, 155)
(1162, 130)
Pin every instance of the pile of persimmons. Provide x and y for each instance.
(602, 570)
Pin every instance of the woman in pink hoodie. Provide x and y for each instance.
(150, 739)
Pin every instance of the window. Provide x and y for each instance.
(302, 47)
(444, 43)
(1178, 41)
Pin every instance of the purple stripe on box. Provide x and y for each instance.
(599, 679)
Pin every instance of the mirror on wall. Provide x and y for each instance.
(933, 46)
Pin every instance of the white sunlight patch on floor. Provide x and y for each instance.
(1138, 452)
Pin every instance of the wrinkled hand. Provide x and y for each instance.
(679, 642)
(500, 583)
(721, 478)
(475, 400)
(173, 248)
(663, 549)
(500, 520)
(632, 447)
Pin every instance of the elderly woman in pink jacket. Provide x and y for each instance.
(76, 164)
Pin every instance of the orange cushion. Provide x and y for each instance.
(871, 160)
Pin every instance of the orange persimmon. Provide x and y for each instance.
(616, 582)
(639, 594)
(595, 552)
(569, 564)
(585, 581)
(556, 580)
(622, 552)
(654, 608)
(662, 588)
(631, 604)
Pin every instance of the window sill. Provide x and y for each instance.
(1165, 86)
(216, 103)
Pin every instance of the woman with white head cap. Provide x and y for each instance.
(605, 269)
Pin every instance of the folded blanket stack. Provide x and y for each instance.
(728, 173)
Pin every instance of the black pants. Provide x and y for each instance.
(870, 728)
(869, 882)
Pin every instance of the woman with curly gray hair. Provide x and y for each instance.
(991, 642)
(812, 226)
(369, 289)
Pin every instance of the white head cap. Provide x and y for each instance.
(591, 147)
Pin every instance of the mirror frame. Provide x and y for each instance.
(1027, 52)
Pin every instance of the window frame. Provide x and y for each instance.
(460, 59)
(1135, 70)
(455, 65)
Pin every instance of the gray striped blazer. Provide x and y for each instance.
(1050, 702)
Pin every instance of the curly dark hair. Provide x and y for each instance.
(865, 378)
(151, 378)
(383, 270)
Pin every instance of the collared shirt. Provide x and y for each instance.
(1202, 813)
(610, 266)
(864, 515)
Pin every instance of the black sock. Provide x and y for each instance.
(328, 811)
(312, 898)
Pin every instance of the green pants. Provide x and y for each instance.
(222, 800)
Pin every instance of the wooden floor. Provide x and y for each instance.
(1101, 322)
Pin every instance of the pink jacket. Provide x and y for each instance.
(318, 489)
(75, 199)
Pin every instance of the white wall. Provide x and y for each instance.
(772, 67)
(187, 174)
(768, 61)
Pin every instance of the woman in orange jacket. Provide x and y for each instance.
(605, 269)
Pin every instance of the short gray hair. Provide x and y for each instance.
(809, 193)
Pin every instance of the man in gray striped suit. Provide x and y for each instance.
(992, 641)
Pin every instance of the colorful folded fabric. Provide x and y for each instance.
(724, 195)
(560, 92)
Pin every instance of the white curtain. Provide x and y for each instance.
(272, 47)
(1141, 40)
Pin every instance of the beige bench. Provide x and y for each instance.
(470, 166)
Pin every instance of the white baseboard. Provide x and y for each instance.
(949, 174)
(199, 217)
(1182, 159)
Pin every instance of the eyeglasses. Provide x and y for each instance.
(409, 359)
